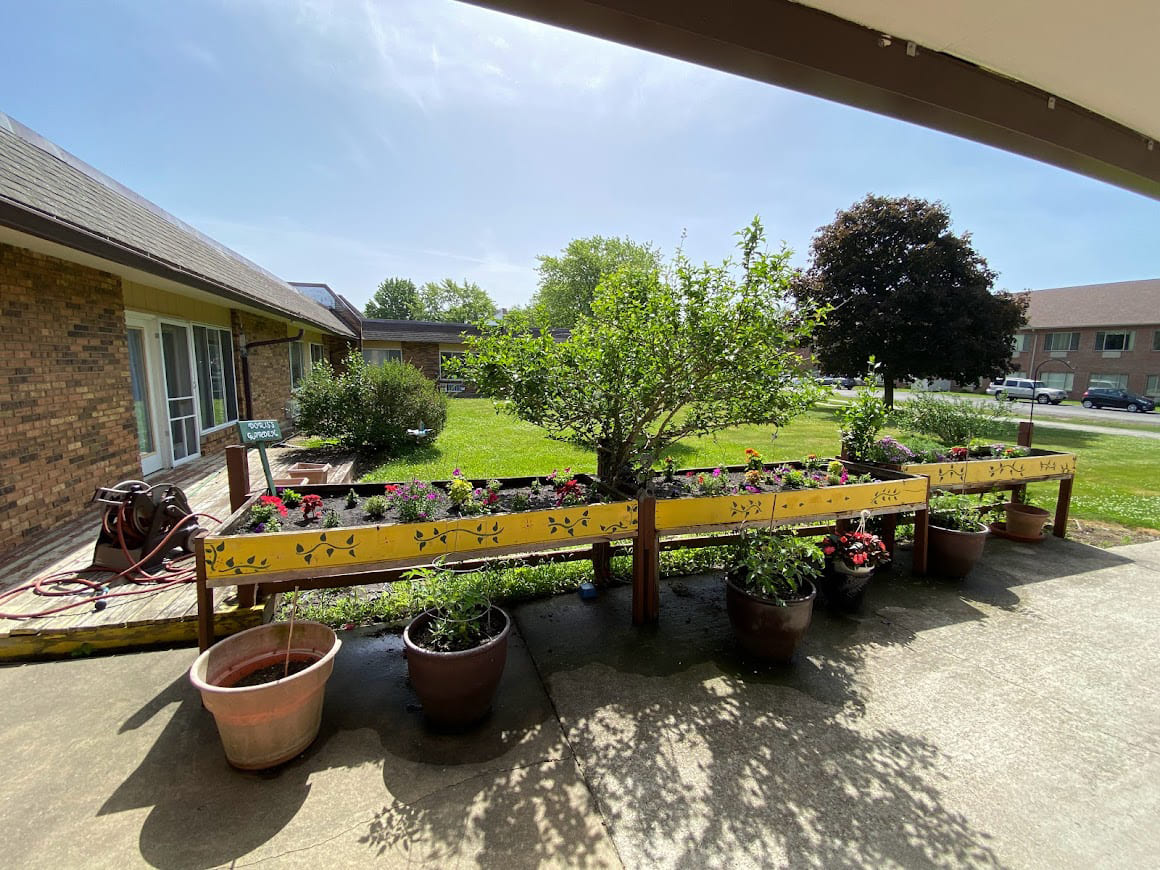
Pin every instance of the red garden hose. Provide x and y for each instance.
(172, 575)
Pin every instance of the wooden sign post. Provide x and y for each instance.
(260, 433)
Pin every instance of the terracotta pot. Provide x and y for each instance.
(952, 553)
(765, 629)
(265, 725)
(456, 688)
(314, 472)
(1025, 520)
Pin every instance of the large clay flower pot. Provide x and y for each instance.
(951, 553)
(1025, 520)
(765, 629)
(264, 725)
(456, 688)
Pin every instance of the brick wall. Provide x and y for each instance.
(337, 349)
(1138, 364)
(65, 398)
(424, 356)
(269, 367)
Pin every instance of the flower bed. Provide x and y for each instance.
(521, 514)
(734, 497)
(977, 467)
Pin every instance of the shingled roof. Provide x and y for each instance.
(46, 191)
(1124, 303)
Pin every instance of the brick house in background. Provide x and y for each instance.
(425, 345)
(1108, 333)
(122, 339)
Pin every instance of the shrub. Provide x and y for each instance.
(952, 421)
(861, 420)
(375, 507)
(331, 520)
(369, 406)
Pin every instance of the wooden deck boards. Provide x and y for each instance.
(163, 616)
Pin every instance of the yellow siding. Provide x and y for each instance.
(150, 300)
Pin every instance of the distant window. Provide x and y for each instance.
(317, 354)
(213, 352)
(1108, 381)
(297, 364)
(444, 357)
(1022, 342)
(1114, 340)
(1061, 341)
(1058, 380)
(1152, 391)
(1156, 340)
(376, 356)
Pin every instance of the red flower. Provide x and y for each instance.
(391, 488)
(310, 504)
(829, 551)
(275, 501)
(858, 558)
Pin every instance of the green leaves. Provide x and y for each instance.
(662, 355)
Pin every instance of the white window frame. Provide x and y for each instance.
(1049, 341)
(233, 371)
(303, 364)
(1058, 380)
(1021, 344)
(1128, 340)
(321, 356)
(1152, 387)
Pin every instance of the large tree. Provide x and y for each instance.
(661, 357)
(396, 299)
(568, 281)
(450, 301)
(905, 289)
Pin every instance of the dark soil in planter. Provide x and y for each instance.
(685, 482)
(273, 672)
(542, 497)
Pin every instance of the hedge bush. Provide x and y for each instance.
(954, 422)
(369, 407)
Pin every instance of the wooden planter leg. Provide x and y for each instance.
(1062, 507)
(889, 532)
(921, 519)
(602, 563)
(646, 565)
(204, 596)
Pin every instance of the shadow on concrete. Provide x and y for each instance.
(204, 813)
(702, 757)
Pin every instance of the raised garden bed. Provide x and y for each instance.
(235, 554)
(985, 472)
(763, 504)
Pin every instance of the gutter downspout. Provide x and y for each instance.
(246, 364)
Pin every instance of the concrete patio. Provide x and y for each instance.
(1012, 720)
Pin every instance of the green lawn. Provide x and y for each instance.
(1118, 480)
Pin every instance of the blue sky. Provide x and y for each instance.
(340, 141)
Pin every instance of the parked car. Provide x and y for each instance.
(1112, 398)
(1022, 388)
(846, 383)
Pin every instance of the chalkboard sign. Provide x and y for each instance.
(259, 431)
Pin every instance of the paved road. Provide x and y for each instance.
(1091, 419)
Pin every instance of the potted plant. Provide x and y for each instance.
(955, 537)
(1025, 521)
(265, 687)
(769, 592)
(456, 648)
(851, 558)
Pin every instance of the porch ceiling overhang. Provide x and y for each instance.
(1071, 84)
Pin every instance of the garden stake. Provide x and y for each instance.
(290, 636)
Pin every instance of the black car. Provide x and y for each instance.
(1101, 398)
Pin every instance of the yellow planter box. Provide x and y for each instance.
(1040, 465)
(318, 552)
(790, 507)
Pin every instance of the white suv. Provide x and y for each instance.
(1022, 388)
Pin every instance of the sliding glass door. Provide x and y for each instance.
(180, 392)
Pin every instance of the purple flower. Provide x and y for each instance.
(260, 527)
(751, 489)
(716, 472)
(431, 496)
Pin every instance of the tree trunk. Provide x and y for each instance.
(888, 389)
